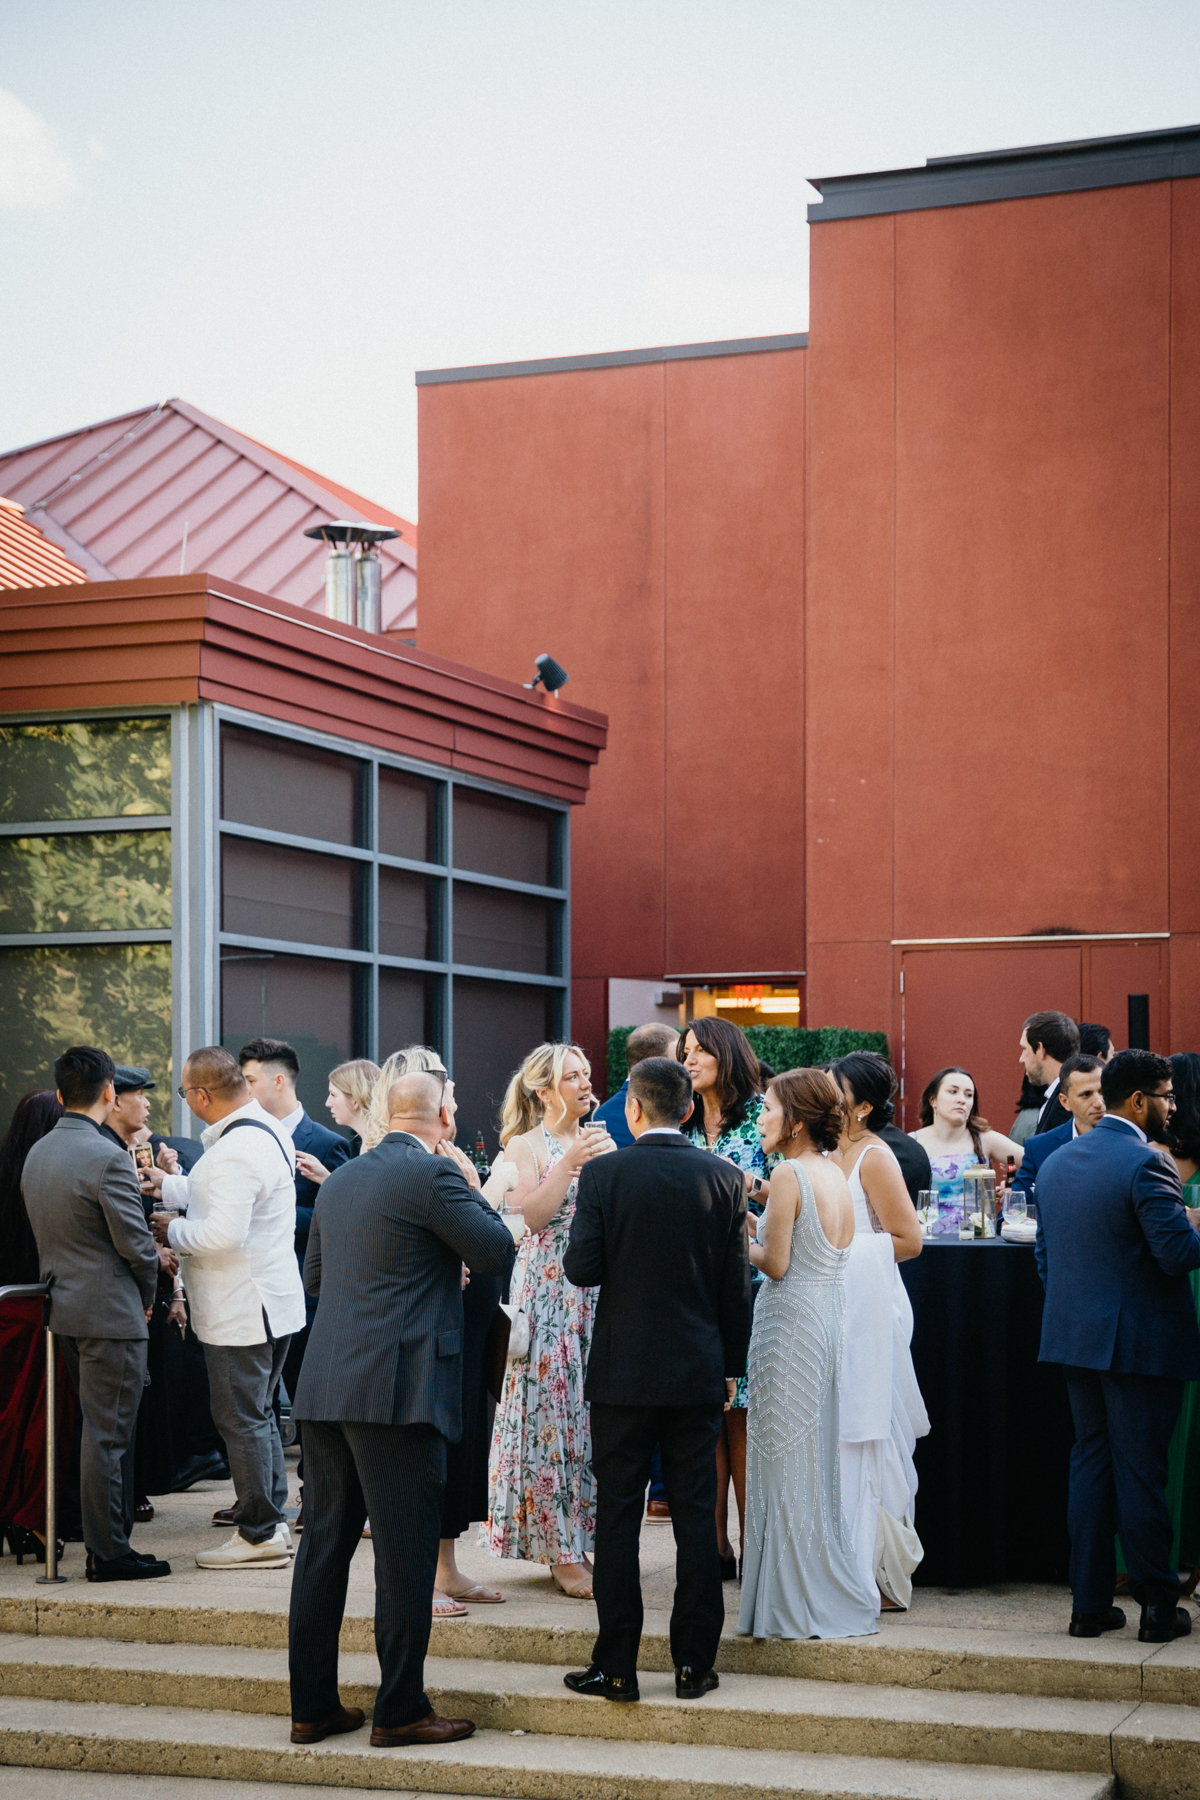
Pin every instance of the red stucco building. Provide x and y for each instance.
(897, 625)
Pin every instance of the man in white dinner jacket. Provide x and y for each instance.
(237, 1255)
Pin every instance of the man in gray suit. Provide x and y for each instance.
(81, 1193)
(380, 1394)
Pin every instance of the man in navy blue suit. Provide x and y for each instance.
(1079, 1085)
(644, 1041)
(1115, 1245)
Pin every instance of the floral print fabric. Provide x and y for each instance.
(543, 1492)
(742, 1146)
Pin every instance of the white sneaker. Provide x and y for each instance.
(283, 1532)
(274, 1554)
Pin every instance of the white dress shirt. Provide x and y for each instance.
(237, 1245)
(293, 1119)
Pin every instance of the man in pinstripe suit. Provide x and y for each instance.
(380, 1394)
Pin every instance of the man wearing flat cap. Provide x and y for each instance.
(129, 1118)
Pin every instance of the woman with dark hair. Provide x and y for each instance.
(728, 1101)
(1183, 1461)
(882, 1413)
(22, 1359)
(956, 1136)
(800, 1576)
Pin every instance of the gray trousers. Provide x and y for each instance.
(109, 1375)
(242, 1379)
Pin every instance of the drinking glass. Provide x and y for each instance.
(1014, 1204)
(927, 1206)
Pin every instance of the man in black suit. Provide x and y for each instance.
(1047, 1039)
(380, 1395)
(661, 1230)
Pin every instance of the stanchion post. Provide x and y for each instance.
(52, 1575)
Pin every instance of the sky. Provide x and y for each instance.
(280, 211)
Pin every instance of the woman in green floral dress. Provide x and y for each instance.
(540, 1481)
(725, 1081)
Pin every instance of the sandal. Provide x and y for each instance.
(448, 1608)
(477, 1595)
(579, 1593)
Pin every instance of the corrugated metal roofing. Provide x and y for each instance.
(115, 498)
(26, 559)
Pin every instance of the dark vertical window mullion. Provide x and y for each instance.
(371, 1033)
(446, 848)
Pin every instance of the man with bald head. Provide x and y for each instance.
(380, 1395)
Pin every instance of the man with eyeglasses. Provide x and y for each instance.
(1115, 1246)
(235, 1246)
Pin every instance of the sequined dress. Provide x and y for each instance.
(540, 1481)
(800, 1578)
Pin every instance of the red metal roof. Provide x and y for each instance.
(115, 497)
(26, 559)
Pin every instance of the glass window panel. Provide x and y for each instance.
(315, 1006)
(85, 769)
(270, 890)
(497, 929)
(496, 1025)
(495, 836)
(408, 816)
(115, 996)
(409, 914)
(285, 786)
(409, 1010)
(109, 881)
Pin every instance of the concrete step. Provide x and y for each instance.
(955, 1658)
(753, 1713)
(235, 1746)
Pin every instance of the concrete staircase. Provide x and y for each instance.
(199, 1691)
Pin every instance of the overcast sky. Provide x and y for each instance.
(279, 210)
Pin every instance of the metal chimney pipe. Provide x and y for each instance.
(353, 571)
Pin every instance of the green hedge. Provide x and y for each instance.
(783, 1046)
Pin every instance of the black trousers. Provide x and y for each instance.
(623, 1440)
(1123, 1426)
(395, 1475)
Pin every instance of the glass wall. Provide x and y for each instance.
(85, 899)
(366, 905)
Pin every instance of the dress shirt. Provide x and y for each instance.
(293, 1119)
(236, 1245)
(1047, 1098)
(1120, 1119)
(662, 1131)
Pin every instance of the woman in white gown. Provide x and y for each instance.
(800, 1577)
(882, 1413)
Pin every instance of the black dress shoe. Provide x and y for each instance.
(1092, 1624)
(690, 1684)
(729, 1568)
(125, 1568)
(201, 1468)
(600, 1686)
(1161, 1622)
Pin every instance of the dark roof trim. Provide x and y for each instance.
(613, 359)
(1012, 174)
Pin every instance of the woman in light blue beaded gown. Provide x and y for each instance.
(800, 1578)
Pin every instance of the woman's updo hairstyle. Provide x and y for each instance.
(870, 1078)
(811, 1098)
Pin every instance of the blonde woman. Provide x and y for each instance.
(539, 1475)
(351, 1086)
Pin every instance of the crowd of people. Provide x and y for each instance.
(692, 1289)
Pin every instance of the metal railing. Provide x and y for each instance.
(40, 1290)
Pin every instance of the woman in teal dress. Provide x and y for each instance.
(727, 1086)
(1183, 1464)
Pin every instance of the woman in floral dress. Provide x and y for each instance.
(726, 1083)
(542, 1490)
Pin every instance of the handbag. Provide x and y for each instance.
(518, 1332)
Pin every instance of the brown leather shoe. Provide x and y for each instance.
(432, 1729)
(658, 1510)
(346, 1718)
(227, 1515)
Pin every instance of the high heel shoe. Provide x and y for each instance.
(27, 1543)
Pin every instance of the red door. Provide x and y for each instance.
(967, 1006)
